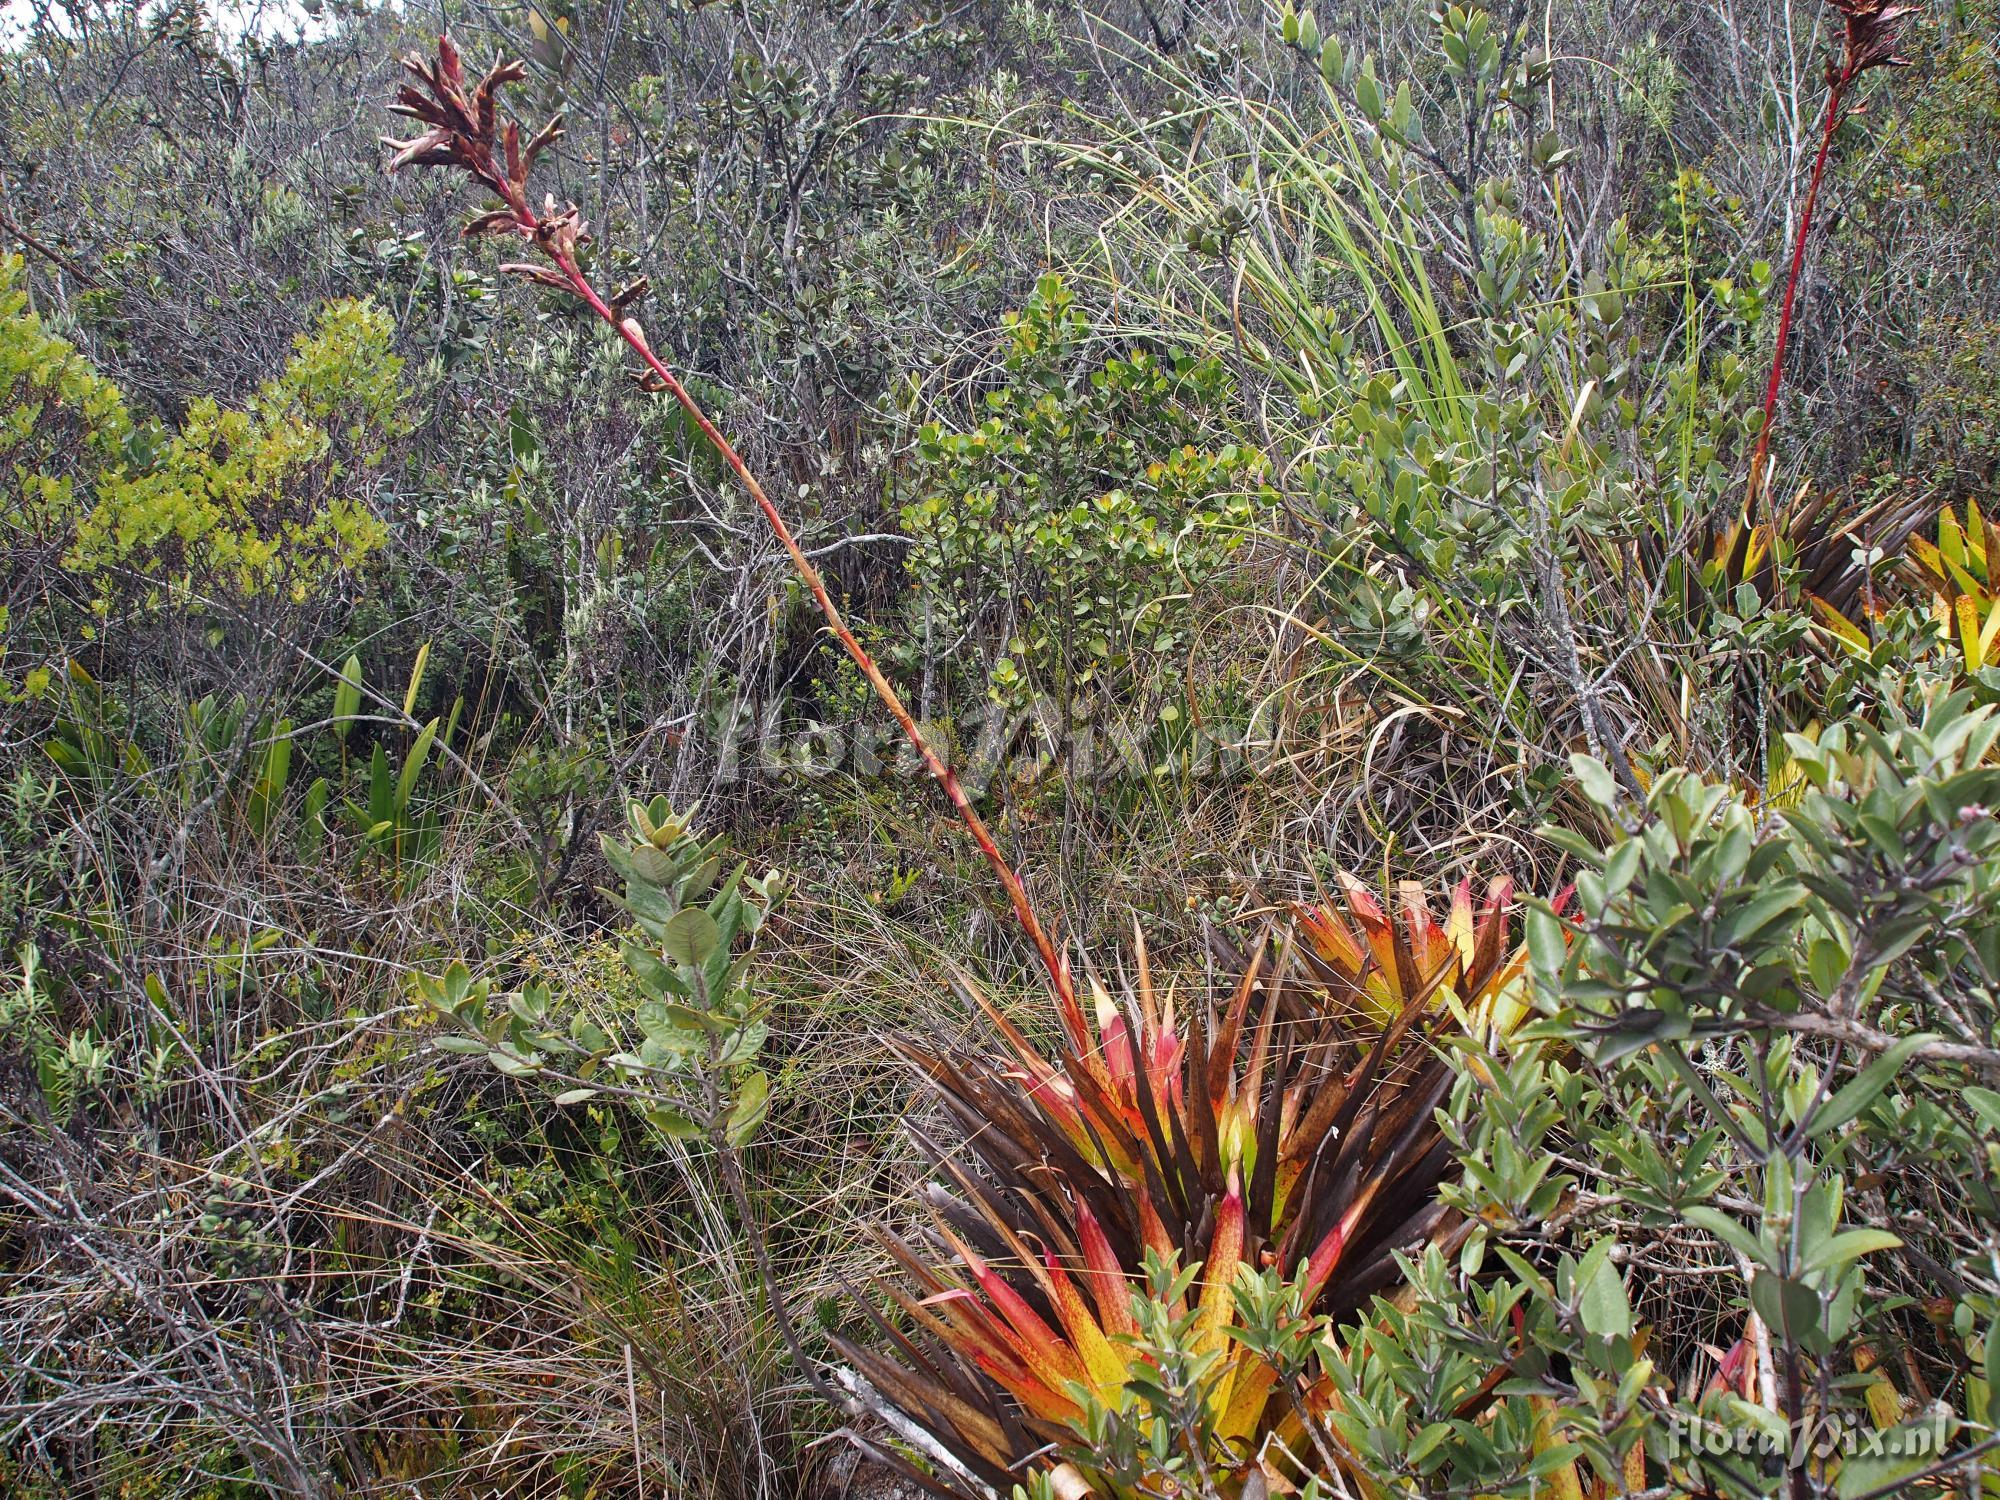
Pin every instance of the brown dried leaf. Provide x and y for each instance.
(496, 221)
(541, 275)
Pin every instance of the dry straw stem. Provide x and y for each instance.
(465, 131)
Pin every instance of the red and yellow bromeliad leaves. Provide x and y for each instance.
(1292, 1124)
(1386, 961)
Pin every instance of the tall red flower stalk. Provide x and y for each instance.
(1871, 43)
(465, 130)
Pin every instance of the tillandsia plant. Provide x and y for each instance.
(1142, 1225)
(465, 131)
(1962, 571)
(1872, 30)
(1129, 1188)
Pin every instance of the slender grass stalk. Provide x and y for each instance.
(1319, 191)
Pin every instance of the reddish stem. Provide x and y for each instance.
(1835, 98)
(1017, 895)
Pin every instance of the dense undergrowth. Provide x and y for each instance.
(1446, 943)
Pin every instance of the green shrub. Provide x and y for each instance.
(271, 498)
(1063, 535)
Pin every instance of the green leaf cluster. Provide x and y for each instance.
(271, 498)
(686, 1051)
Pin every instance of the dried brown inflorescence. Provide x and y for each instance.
(466, 131)
(1873, 31)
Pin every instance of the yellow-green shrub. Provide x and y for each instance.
(57, 414)
(263, 500)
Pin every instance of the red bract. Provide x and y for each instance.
(1383, 961)
(1872, 33)
(463, 128)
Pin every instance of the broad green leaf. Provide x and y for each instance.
(381, 787)
(312, 825)
(347, 696)
(1827, 962)
(1726, 1229)
(654, 866)
(1620, 866)
(1789, 1308)
(687, 1018)
(654, 977)
(692, 937)
(1601, 1302)
(700, 879)
(1849, 1245)
(1758, 913)
(673, 1122)
(1985, 1103)
(744, 1044)
(1368, 92)
(1546, 947)
(1596, 780)
(413, 767)
(753, 1102)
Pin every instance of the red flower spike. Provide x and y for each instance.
(1873, 28)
